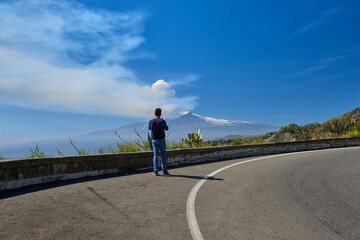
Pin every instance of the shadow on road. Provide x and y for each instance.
(45, 186)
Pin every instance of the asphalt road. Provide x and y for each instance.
(311, 195)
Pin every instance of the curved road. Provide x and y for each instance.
(309, 195)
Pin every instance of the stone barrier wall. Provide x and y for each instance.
(23, 172)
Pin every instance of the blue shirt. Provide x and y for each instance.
(158, 127)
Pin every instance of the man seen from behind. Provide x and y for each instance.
(158, 127)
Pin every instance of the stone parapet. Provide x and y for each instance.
(23, 172)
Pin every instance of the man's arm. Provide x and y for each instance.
(150, 125)
(165, 126)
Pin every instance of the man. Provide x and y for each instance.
(158, 127)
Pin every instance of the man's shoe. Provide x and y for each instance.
(166, 173)
(156, 174)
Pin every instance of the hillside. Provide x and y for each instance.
(346, 125)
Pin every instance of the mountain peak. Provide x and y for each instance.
(185, 113)
(209, 120)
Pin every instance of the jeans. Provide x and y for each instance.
(159, 144)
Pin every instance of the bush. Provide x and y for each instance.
(353, 132)
(194, 139)
(129, 147)
(257, 140)
(237, 141)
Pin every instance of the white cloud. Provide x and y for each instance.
(322, 64)
(323, 18)
(63, 56)
(67, 29)
(183, 79)
(36, 83)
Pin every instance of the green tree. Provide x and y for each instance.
(237, 141)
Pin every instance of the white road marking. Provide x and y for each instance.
(190, 204)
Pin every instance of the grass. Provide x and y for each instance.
(2, 157)
(79, 151)
(60, 152)
(36, 153)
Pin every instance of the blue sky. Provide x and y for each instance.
(72, 67)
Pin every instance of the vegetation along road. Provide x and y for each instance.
(308, 195)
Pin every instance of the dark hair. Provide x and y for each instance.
(158, 112)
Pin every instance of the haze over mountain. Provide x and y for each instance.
(345, 125)
(178, 128)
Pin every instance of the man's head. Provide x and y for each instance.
(158, 112)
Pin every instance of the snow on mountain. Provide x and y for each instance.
(179, 128)
(214, 121)
(214, 128)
